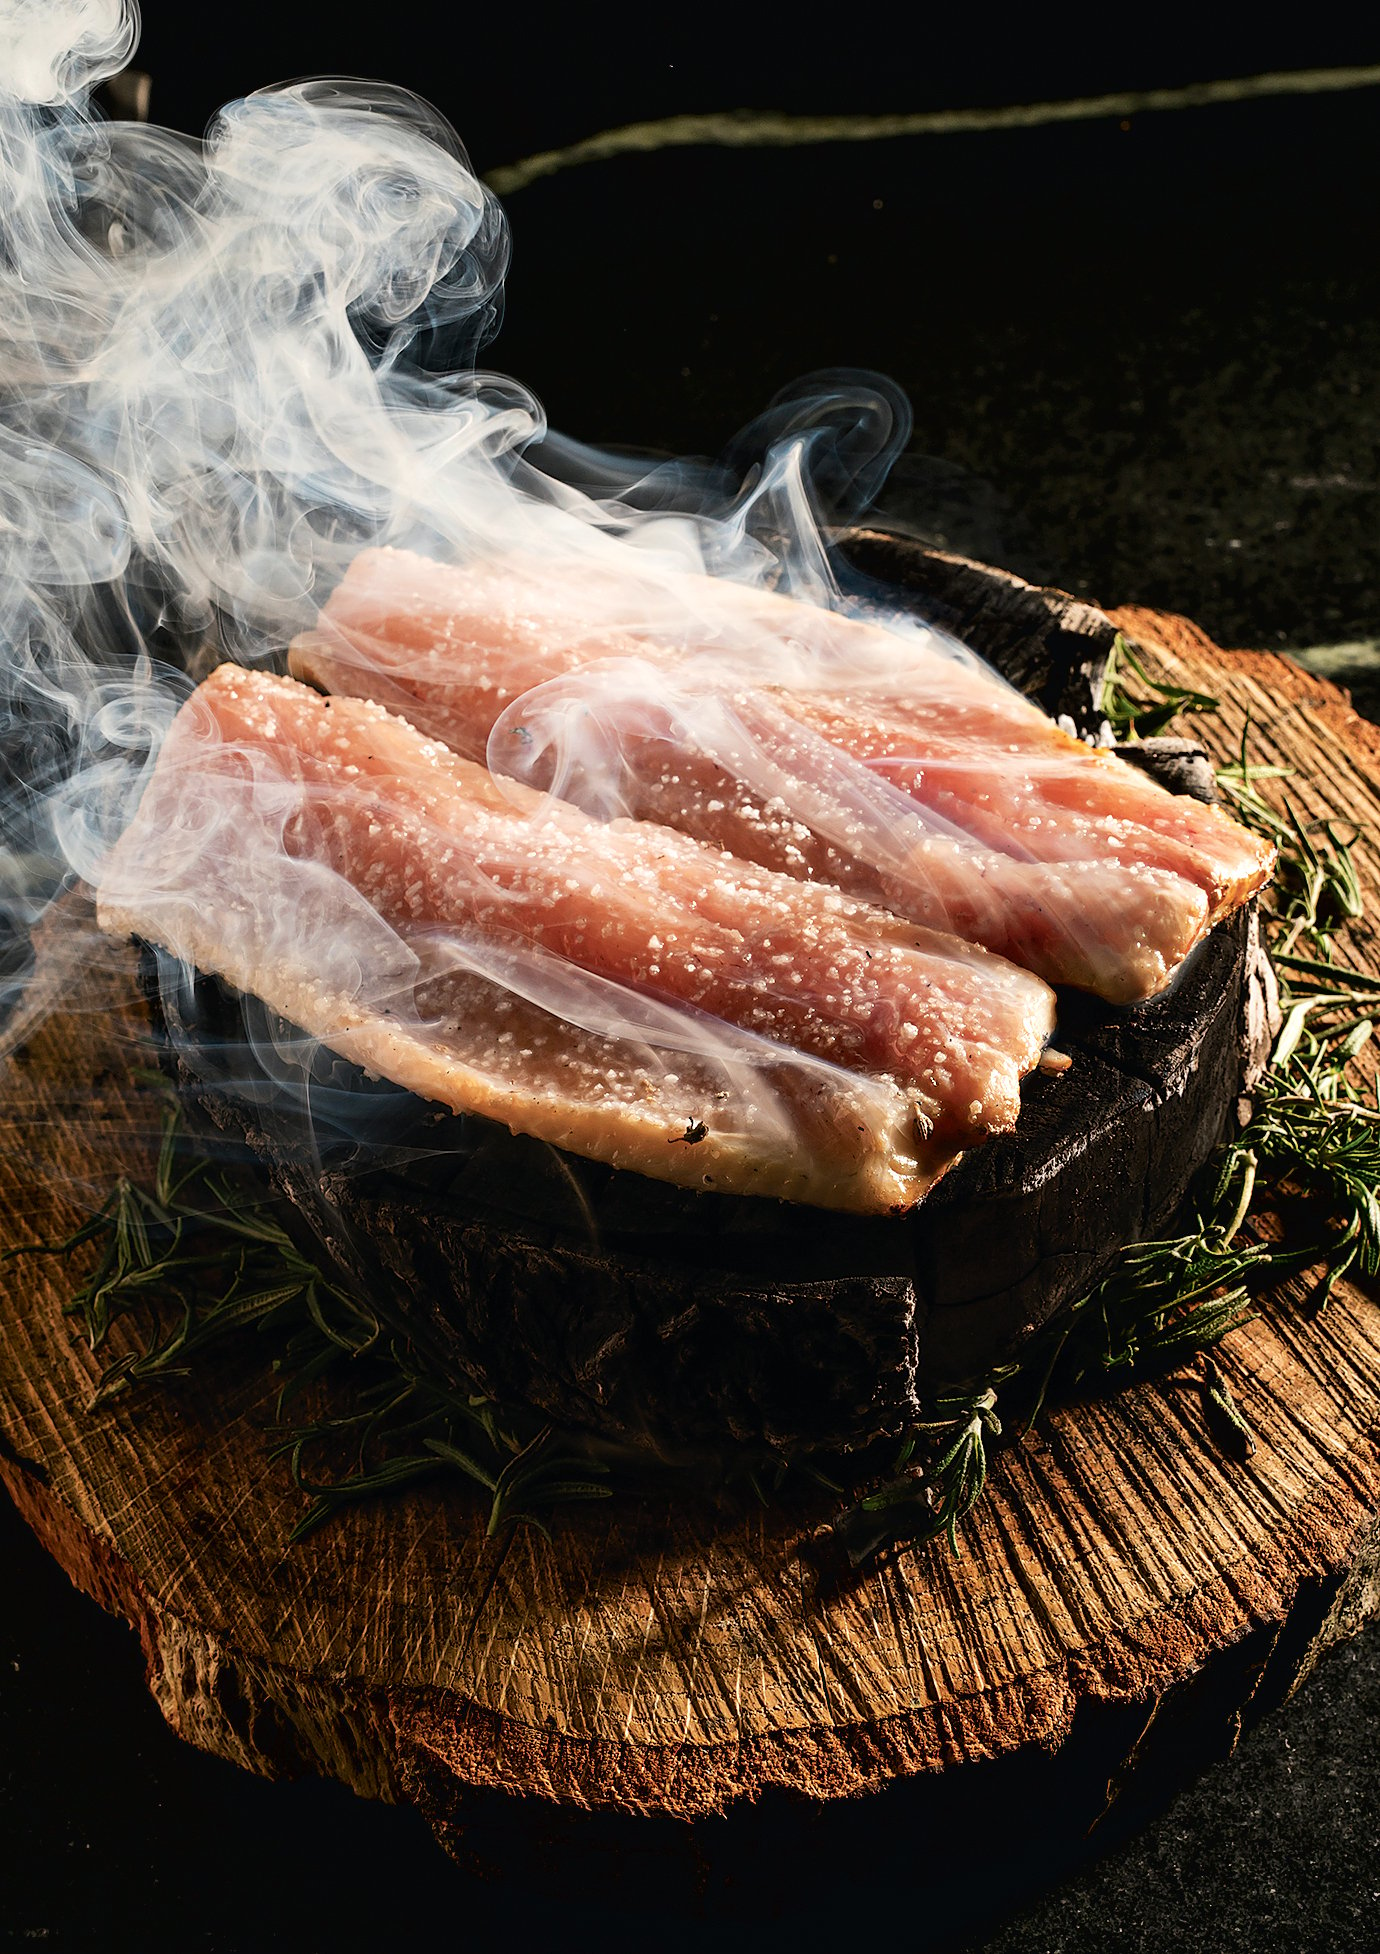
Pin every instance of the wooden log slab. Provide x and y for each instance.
(1126, 1597)
(677, 1317)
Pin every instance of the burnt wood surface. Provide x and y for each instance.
(654, 1313)
(1127, 1597)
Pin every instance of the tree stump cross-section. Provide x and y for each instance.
(662, 1656)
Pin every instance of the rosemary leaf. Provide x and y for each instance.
(1133, 717)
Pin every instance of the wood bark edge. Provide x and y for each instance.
(408, 1743)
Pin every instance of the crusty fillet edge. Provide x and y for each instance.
(893, 1169)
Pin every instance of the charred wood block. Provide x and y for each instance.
(1053, 647)
(681, 1319)
(661, 1315)
(1182, 766)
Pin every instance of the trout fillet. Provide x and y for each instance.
(852, 756)
(616, 988)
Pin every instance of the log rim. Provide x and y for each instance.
(1323, 1531)
(415, 1728)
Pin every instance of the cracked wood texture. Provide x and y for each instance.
(1125, 1594)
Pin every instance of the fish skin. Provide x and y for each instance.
(1110, 899)
(356, 811)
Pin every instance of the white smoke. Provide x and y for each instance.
(224, 367)
(227, 367)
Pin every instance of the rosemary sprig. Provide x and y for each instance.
(1223, 1413)
(199, 1257)
(196, 1259)
(1136, 717)
(923, 1501)
(1316, 890)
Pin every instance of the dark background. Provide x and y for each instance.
(1141, 352)
(1145, 363)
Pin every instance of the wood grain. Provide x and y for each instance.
(659, 1657)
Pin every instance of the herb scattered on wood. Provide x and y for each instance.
(1312, 1143)
(202, 1254)
(1141, 716)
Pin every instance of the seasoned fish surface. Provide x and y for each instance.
(614, 987)
(856, 757)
